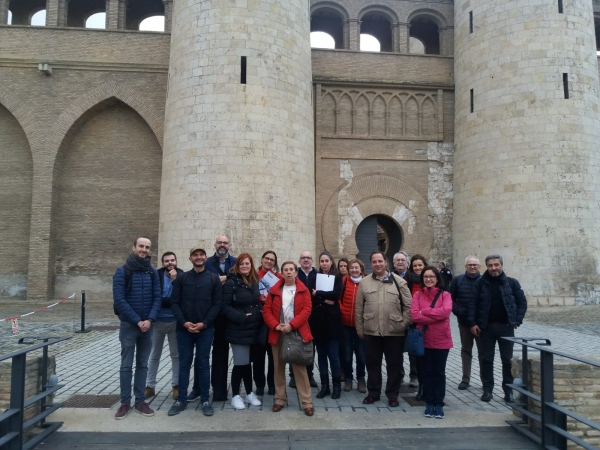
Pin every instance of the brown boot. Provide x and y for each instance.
(361, 385)
(175, 392)
(347, 385)
(149, 392)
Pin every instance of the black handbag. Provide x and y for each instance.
(293, 349)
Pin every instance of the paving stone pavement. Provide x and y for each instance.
(93, 369)
(89, 363)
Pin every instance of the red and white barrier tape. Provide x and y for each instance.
(11, 319)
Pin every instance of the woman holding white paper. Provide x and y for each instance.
(268, 268)
(326, 322)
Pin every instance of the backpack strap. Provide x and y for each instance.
(435, 299)
(343, 288)
(399, 293)
(459, 280)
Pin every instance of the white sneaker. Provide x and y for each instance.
(237, 402)
(253, 399)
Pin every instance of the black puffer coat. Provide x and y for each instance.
(325, 320)
(461, 290)
(513, 299)
(239, 300)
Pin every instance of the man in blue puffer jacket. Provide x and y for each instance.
(461, 290)
(137, 300)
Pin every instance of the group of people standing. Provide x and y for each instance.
(225, 302)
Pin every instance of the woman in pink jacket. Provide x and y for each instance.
(437, 337)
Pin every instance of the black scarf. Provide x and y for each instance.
(137, 264)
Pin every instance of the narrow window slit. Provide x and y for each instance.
(470, 21)
(566, 85)
(243, 76)
(472, 101)
(560, 6)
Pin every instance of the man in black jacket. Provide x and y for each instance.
(497, 308)
(165, 326)
(195, 302)
(461, 290)
(446, 274)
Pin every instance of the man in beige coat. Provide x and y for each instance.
(382, 318)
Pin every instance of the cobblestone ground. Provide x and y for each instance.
(89, 363)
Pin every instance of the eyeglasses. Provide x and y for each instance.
(306, 257)
(429, 276)
(223, 242)
(269, 259)
(472, 265)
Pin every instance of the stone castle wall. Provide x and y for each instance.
(525, 181)
(238, 156)
(77, 143)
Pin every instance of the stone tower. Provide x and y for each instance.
(527, 136)
(238, 153)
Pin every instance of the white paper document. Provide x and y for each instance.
(325, 282)
(267, 282)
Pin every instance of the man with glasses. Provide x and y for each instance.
(220, 263)
(461, 290)
(306, 267)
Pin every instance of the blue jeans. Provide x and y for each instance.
(356, 345)
(329, 349)
(186, 342)
(132, 339)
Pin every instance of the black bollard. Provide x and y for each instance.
(82, 330)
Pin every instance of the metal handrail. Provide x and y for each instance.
(553, 418)
(12, 426)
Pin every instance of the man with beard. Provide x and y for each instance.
(220, 263)
(497, 308)
(195, 302)
(137, 299)
(165, 326)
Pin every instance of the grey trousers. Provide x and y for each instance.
(159, 331)
(466, 351)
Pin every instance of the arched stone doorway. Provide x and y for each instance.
(378, 233)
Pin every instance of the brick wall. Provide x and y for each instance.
(33, 382)
(576, 387)
(111, 163)
(77, 226)
(15, 203)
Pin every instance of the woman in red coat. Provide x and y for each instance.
(293, 298)
(437, 337)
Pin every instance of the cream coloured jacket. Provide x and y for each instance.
(380, 309)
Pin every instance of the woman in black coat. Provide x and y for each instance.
(326, 326)
(241, 307)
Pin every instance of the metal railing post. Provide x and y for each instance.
(82, 329)
(549, 415)
(17, 399)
